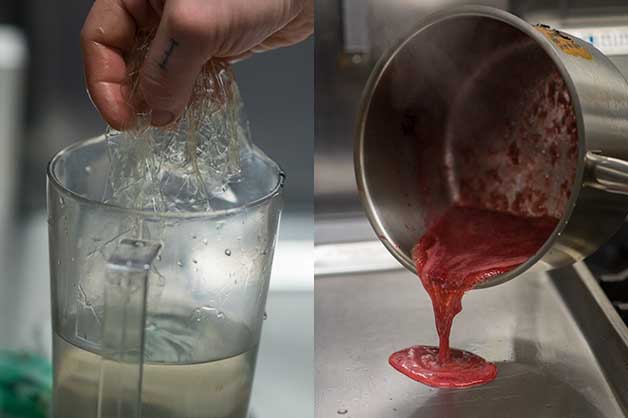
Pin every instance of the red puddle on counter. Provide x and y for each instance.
(461, 249)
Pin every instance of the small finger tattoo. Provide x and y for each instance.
(164, 63)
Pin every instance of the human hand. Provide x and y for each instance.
(188, 34)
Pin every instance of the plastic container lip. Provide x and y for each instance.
(56, 183)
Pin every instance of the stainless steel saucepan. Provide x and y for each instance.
(448, 94)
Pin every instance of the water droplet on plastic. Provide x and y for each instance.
(202, 313)
(205, 241)
(220, 315)
(151, 326)
(61, 202)
(161, 280)
(159, 257)
(193, 236)
(88, 169)
(195, 261)
(138, 244)
(342, 411)
(265, 316)
(180, 263)
(228, 252)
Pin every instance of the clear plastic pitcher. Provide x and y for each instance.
(156, 314)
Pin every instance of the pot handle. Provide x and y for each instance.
(606, 173)
(124, 322)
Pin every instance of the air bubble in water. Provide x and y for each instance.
(342, 411)
(220, 315)
(195, 261)
(205, 241)
(228, 252)
(265, 316)
(180, 263)
(61, 202)
(88, 169)
(193, 236)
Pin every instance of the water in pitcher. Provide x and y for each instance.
(196, 367)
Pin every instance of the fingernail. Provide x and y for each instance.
(161, 117)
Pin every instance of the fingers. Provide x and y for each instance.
(298, 30)
(193, 31)
(177, 54)
(237, 58)
(190, 32)
(107, 35)
(267, 20)
(158, 6)
(146, 17)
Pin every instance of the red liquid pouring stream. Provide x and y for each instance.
(461, 249)
(512, 184)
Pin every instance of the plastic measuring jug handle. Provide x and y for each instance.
(124, 322)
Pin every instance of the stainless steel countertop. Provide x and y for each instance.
(545, 365)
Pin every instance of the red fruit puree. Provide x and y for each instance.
(464, 247)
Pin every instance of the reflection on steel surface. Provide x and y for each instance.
(352, 257)
(548, 362)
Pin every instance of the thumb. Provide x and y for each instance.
(169, 72)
